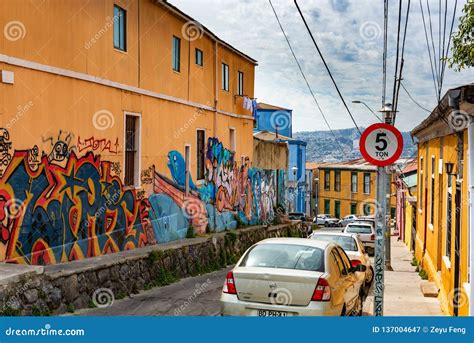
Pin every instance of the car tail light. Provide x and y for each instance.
(229, 285)
(372, 237)
(322, 292)
(355, 263)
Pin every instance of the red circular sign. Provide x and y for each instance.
(381, 144)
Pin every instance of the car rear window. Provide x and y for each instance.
(359, 229)
(286, 256)
(347, 243)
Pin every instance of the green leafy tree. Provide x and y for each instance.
(463, 40)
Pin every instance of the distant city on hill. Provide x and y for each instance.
(323, 147)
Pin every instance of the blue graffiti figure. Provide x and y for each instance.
(177, 167)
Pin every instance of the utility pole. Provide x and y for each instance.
(387, 113)
(380, 230)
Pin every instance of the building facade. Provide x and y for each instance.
(444, 217)
(277, 120)
(127, 130)
(349, 188)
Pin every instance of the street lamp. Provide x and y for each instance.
(363, 103)
(388, 113)
(449, 168)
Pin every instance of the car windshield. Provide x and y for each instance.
(287, 256)
(347, 243)
(359, 229)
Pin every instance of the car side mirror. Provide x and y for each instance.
(359, 268)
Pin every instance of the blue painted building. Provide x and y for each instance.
(278, 120)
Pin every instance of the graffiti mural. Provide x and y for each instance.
(98, 145)
(230, 195)
(58, 206)
(66, 213)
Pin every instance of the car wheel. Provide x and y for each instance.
(357, 310)
(369, 280)
(326, 224)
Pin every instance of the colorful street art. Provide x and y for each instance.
(59, 206)
(230, 195)
(57, 214)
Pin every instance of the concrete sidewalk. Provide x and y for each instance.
(402, 296)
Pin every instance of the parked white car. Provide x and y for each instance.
(292, 277)
(347, 219)
(354, 248)
(366, 233)
(326, 220)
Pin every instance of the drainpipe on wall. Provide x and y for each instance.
(216, 101)
(470, 135)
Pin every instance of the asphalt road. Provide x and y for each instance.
(193, 296)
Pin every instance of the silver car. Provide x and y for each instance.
(326, 220)
(347, 219)
(292, 277)
(355, 250)
(366, 233)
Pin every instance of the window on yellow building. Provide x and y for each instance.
(327, 206)
(132, 141)
(201, 150)
(449, 216)
(199, 57)
(420, 200)
(176, 54)
(232, 138)
(327, 180)
(354, 183)
(240, 83)
(354, 208)
(337, 180)
(366, 183)
(225, 77)
(120, 33)
(433, 164)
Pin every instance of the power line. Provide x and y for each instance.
(396, 58)
(384, 57)
(304, 76)
(327, 68)
(412, 99)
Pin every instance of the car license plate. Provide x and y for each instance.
(271, 313)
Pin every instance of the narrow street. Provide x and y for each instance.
(199, 296)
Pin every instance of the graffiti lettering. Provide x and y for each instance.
(98, 145)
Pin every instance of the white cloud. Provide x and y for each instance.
(350, 36)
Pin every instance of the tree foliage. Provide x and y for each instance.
(463, 40)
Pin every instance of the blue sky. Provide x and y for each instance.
(350, 35)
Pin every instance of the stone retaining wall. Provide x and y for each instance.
(61, 288)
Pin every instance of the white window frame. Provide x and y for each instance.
(138, 157)
(232, 139)
(363, 190)
(225, 76)
(240, 82)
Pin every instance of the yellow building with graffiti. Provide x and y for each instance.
(443, 226)
(123, 123)
(348, 188)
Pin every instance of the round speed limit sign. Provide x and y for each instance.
(381, 144)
